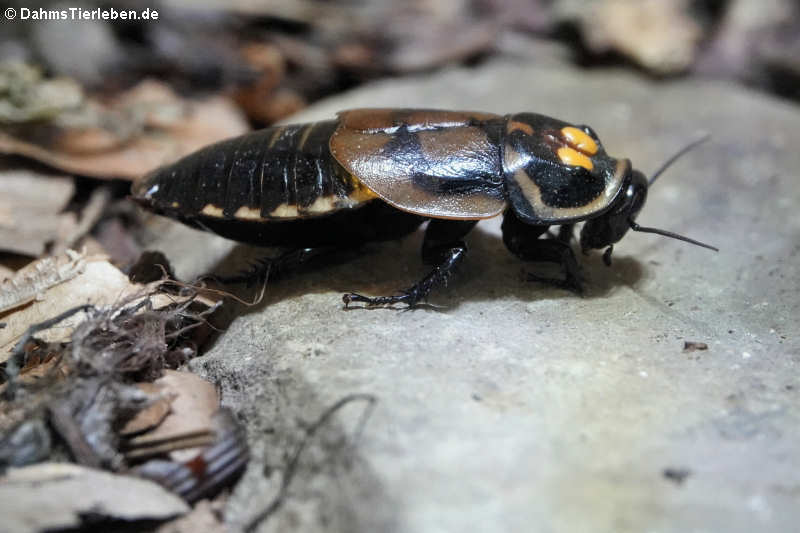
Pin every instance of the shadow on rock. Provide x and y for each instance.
(489, 272)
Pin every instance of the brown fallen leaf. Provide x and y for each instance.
(659, 35)
(31, 206)
(189, 423)
(49, 496)
(264, 100)
(100, 283)
(40, 362)
(140, 130)
(151, 416)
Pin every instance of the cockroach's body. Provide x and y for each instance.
(377, 174)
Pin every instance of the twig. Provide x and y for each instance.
(291, 467)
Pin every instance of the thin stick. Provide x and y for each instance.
(291, 467)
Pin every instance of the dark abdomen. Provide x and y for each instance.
(279, 173)
(274, 187)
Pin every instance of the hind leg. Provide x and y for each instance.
(443, 247)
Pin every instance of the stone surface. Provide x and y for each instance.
(515, 407)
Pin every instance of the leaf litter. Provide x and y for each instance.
(93, 379)
(123, 137)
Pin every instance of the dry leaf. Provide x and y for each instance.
(31, 206)
(37, 367)
(150, 416)
(147, 127)
(99, 284)
(26, 97)
(32, 281)
(56, 495)
(264, 100)
(189, 423)
(661, 36)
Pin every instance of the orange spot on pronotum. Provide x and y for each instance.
(579, 140)
(572, 157)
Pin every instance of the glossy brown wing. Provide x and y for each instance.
(439, 164)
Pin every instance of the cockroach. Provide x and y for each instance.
(377, 174)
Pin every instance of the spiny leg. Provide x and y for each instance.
(524, 242)
(443, 247)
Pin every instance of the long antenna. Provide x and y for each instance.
(678, 155)
(636, 227)
(665, 233)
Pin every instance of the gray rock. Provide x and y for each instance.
(515, 407)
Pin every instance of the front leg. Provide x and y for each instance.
(524, 242)
(443, 247)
